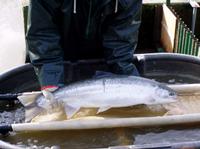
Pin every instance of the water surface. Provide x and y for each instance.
(103, 137)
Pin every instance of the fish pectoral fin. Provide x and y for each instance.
(31, 112)
(71, 110)
(102, 109)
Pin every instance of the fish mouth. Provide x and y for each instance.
(166, 96)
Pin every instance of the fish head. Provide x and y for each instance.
(164, 94)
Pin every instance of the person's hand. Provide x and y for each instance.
(48, 94)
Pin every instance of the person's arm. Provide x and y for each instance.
(44, 45)
(121, 37)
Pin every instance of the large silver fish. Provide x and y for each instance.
(111, 92)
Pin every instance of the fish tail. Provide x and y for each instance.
(28, 100)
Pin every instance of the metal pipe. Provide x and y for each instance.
(194, 5)
(186, 50)
(194, 16)
(184, 38)
(196, 47)
(193, 44)
(189, 40)
(175, 50)
(190, 43)
(180, 36)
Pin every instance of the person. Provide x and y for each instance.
(61, 29)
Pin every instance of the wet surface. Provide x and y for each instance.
(102, 137)
(13, 115)
(169, 136)
(69, 139)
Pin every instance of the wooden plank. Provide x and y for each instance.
(168, 29)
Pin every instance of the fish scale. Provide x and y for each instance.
(111, 92)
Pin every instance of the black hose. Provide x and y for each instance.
(10, 96)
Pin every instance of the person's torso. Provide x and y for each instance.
(82, 31)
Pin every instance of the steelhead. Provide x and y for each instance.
(110, 92)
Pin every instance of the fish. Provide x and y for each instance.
(110, 92)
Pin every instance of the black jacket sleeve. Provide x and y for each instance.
(121, 37)
(43, 38)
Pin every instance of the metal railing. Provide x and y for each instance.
(185, 40)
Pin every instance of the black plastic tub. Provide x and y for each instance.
(161, 66)
(164, 67)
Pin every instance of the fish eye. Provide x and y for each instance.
(172, 94)
(165, 93)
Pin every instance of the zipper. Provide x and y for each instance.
(101, 6)
(89, 19)
(94, 15)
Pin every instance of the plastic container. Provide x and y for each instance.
(164, 67)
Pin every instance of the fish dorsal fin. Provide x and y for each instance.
(70, 110)
(102, 109)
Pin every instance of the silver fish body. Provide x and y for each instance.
(112, 92)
